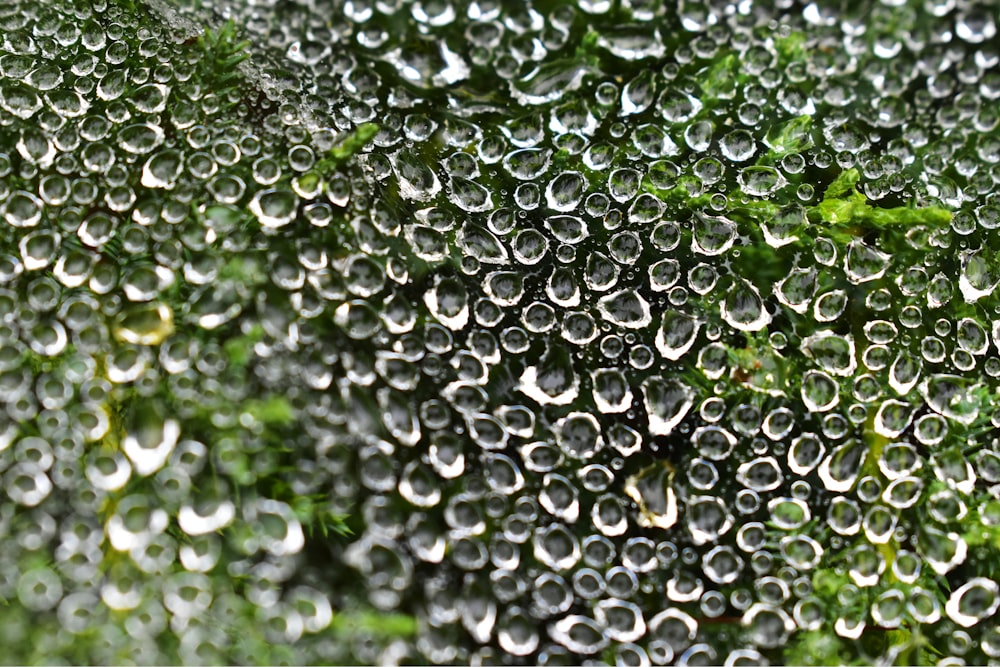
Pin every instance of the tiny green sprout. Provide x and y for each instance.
(223, 47)
(319, 519)
(222, 55)
(589, 50)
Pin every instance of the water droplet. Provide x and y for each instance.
(652, 490)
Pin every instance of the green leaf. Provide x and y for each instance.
(350, 144)
(719, 82)
(826, 583)
(331, 521)
(791, 48)
(794, 136)
(845, 184)
(354, 142)
(842, 204)
(934, 216)
(589, 50)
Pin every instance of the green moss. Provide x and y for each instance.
(844, 205)
(239, 350)
(274, 411)
(794, 136)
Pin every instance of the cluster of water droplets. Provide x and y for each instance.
(143, 498)
(672, 342)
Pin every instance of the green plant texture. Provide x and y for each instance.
(601, 332)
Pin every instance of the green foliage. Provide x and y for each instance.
(348, 145)
(793, 137)
(719, 81)
(223, 52)
(792, 47)
(318, 518)
(816, 647)
(844, 205)
(239, 349)
(271, 411)
(251, 427)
